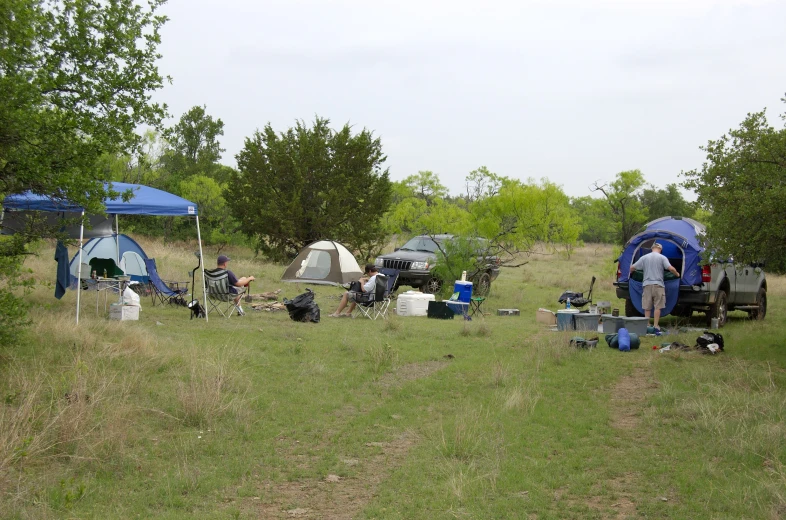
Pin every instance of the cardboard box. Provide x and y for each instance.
(546, 317)
(123, 312)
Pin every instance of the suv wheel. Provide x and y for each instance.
(483, 285)
(719, 309)
(761, 302)
(433, 286)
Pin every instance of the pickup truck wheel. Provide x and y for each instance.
(631, 310)
(432, 286)
(719, 309)
(483, 285)
(761, 301)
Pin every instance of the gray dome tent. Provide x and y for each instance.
(324, 262)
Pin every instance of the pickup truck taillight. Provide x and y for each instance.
(619, 272)
(706, 273)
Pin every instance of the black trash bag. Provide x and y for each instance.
(303, 308)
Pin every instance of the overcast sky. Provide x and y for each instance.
(573, 90)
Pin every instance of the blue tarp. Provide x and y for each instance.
(680, 240)
(672, 293)
(144, 201)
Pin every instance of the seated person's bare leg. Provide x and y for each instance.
(344, 300)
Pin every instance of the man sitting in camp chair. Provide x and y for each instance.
(234, 281)
(366, 293)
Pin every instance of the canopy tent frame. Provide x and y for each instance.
(144, 201)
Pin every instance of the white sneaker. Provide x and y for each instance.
(239, 310)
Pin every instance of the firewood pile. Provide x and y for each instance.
(272, 295)
(268, 306)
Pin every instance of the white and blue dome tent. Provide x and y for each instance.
(131, 256)
(143, 200)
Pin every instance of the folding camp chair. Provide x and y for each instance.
(219, 294)
(377, 306)
(163, 291)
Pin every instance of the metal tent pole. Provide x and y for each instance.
(202, 264)
(79, 268)
(117, 241)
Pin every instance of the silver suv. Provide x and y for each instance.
(415, 261)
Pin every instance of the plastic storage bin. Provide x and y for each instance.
(636, 324)
(413, 303)
(586, 321)
(565, 319)
(611, 324)
(123, 312)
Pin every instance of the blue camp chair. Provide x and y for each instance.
(164, 291)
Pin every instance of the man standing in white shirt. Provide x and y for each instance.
(654, 293)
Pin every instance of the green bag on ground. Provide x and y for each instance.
(613, 342)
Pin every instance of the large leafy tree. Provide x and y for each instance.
(75, 83)
(743, 184)
(310, 183)
(667, 202)
(75, 77)
(622, 196)
(193, 148)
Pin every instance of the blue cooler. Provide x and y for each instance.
(464, 290)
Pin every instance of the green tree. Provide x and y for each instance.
(421, 207)
(622, 196)
(743, 184)
(667, 202)
(482, 183)
(75, 78)
(310, 183)
(597, 222)
(192, 148)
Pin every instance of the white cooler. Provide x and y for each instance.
(413, 303)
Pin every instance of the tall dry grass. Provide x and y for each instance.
(212, 388)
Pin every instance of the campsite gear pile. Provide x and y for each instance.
(576, 299)
(579, 342)
(303, 307)
(623, 340)
(707, 343)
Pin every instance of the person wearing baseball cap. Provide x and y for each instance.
(234, 281)
(653, 296)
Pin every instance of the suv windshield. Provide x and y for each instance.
(424, 244)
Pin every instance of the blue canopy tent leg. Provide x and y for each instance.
(79, 269)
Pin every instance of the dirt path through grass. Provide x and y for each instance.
(336, 497)
(628, 400)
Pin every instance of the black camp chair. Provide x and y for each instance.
(376, 304)
(163, 291)
(577, 299)
(220, 297)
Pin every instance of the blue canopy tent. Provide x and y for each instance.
(680, 240)
(144, 200)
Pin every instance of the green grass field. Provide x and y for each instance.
(262, 417)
